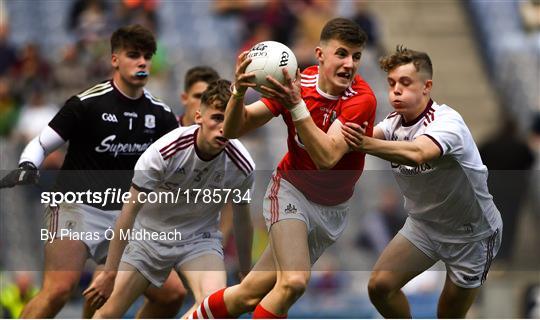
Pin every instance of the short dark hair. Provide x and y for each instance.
(402, 56)
(134, 37)
(200, 73)
(217, 94)
(344, 30)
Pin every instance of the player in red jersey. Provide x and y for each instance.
(306, 203)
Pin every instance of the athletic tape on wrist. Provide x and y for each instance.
(234, 91)
(299, 111)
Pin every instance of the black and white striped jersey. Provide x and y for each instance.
(107, 131)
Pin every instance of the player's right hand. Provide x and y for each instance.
(27, 173)
(354, 135)
(241, 78)
(100, 289)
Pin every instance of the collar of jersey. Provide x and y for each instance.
(413, 122)
(324, 94)
(199, 153)
(123, 94)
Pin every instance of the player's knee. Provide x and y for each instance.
(380, 286)
(58, 293)
(207, 291)
(294, 283)
(170, 297)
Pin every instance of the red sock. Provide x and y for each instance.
(261, 313)
(212, 307)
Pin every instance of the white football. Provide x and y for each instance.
(268, 58)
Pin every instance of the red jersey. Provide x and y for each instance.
(356, 104)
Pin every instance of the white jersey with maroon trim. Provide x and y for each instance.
(449, 195)
(173, 164)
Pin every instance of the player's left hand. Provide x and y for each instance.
(27, 173)
(100, 289)
(288, 94)
(354, 135)
(242, 80)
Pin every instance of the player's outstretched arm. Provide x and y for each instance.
(411, 153)
(353, 134)
(101, 288)
(243, 235)
(240, 119)
(325, 149)
(33, 155)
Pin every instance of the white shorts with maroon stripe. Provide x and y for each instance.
(82, 222)
(155, 261)
(467, 264)
(325, 224)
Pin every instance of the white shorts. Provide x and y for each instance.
(82, 222)
(467, 264)
(155, 261)
(325, 224)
